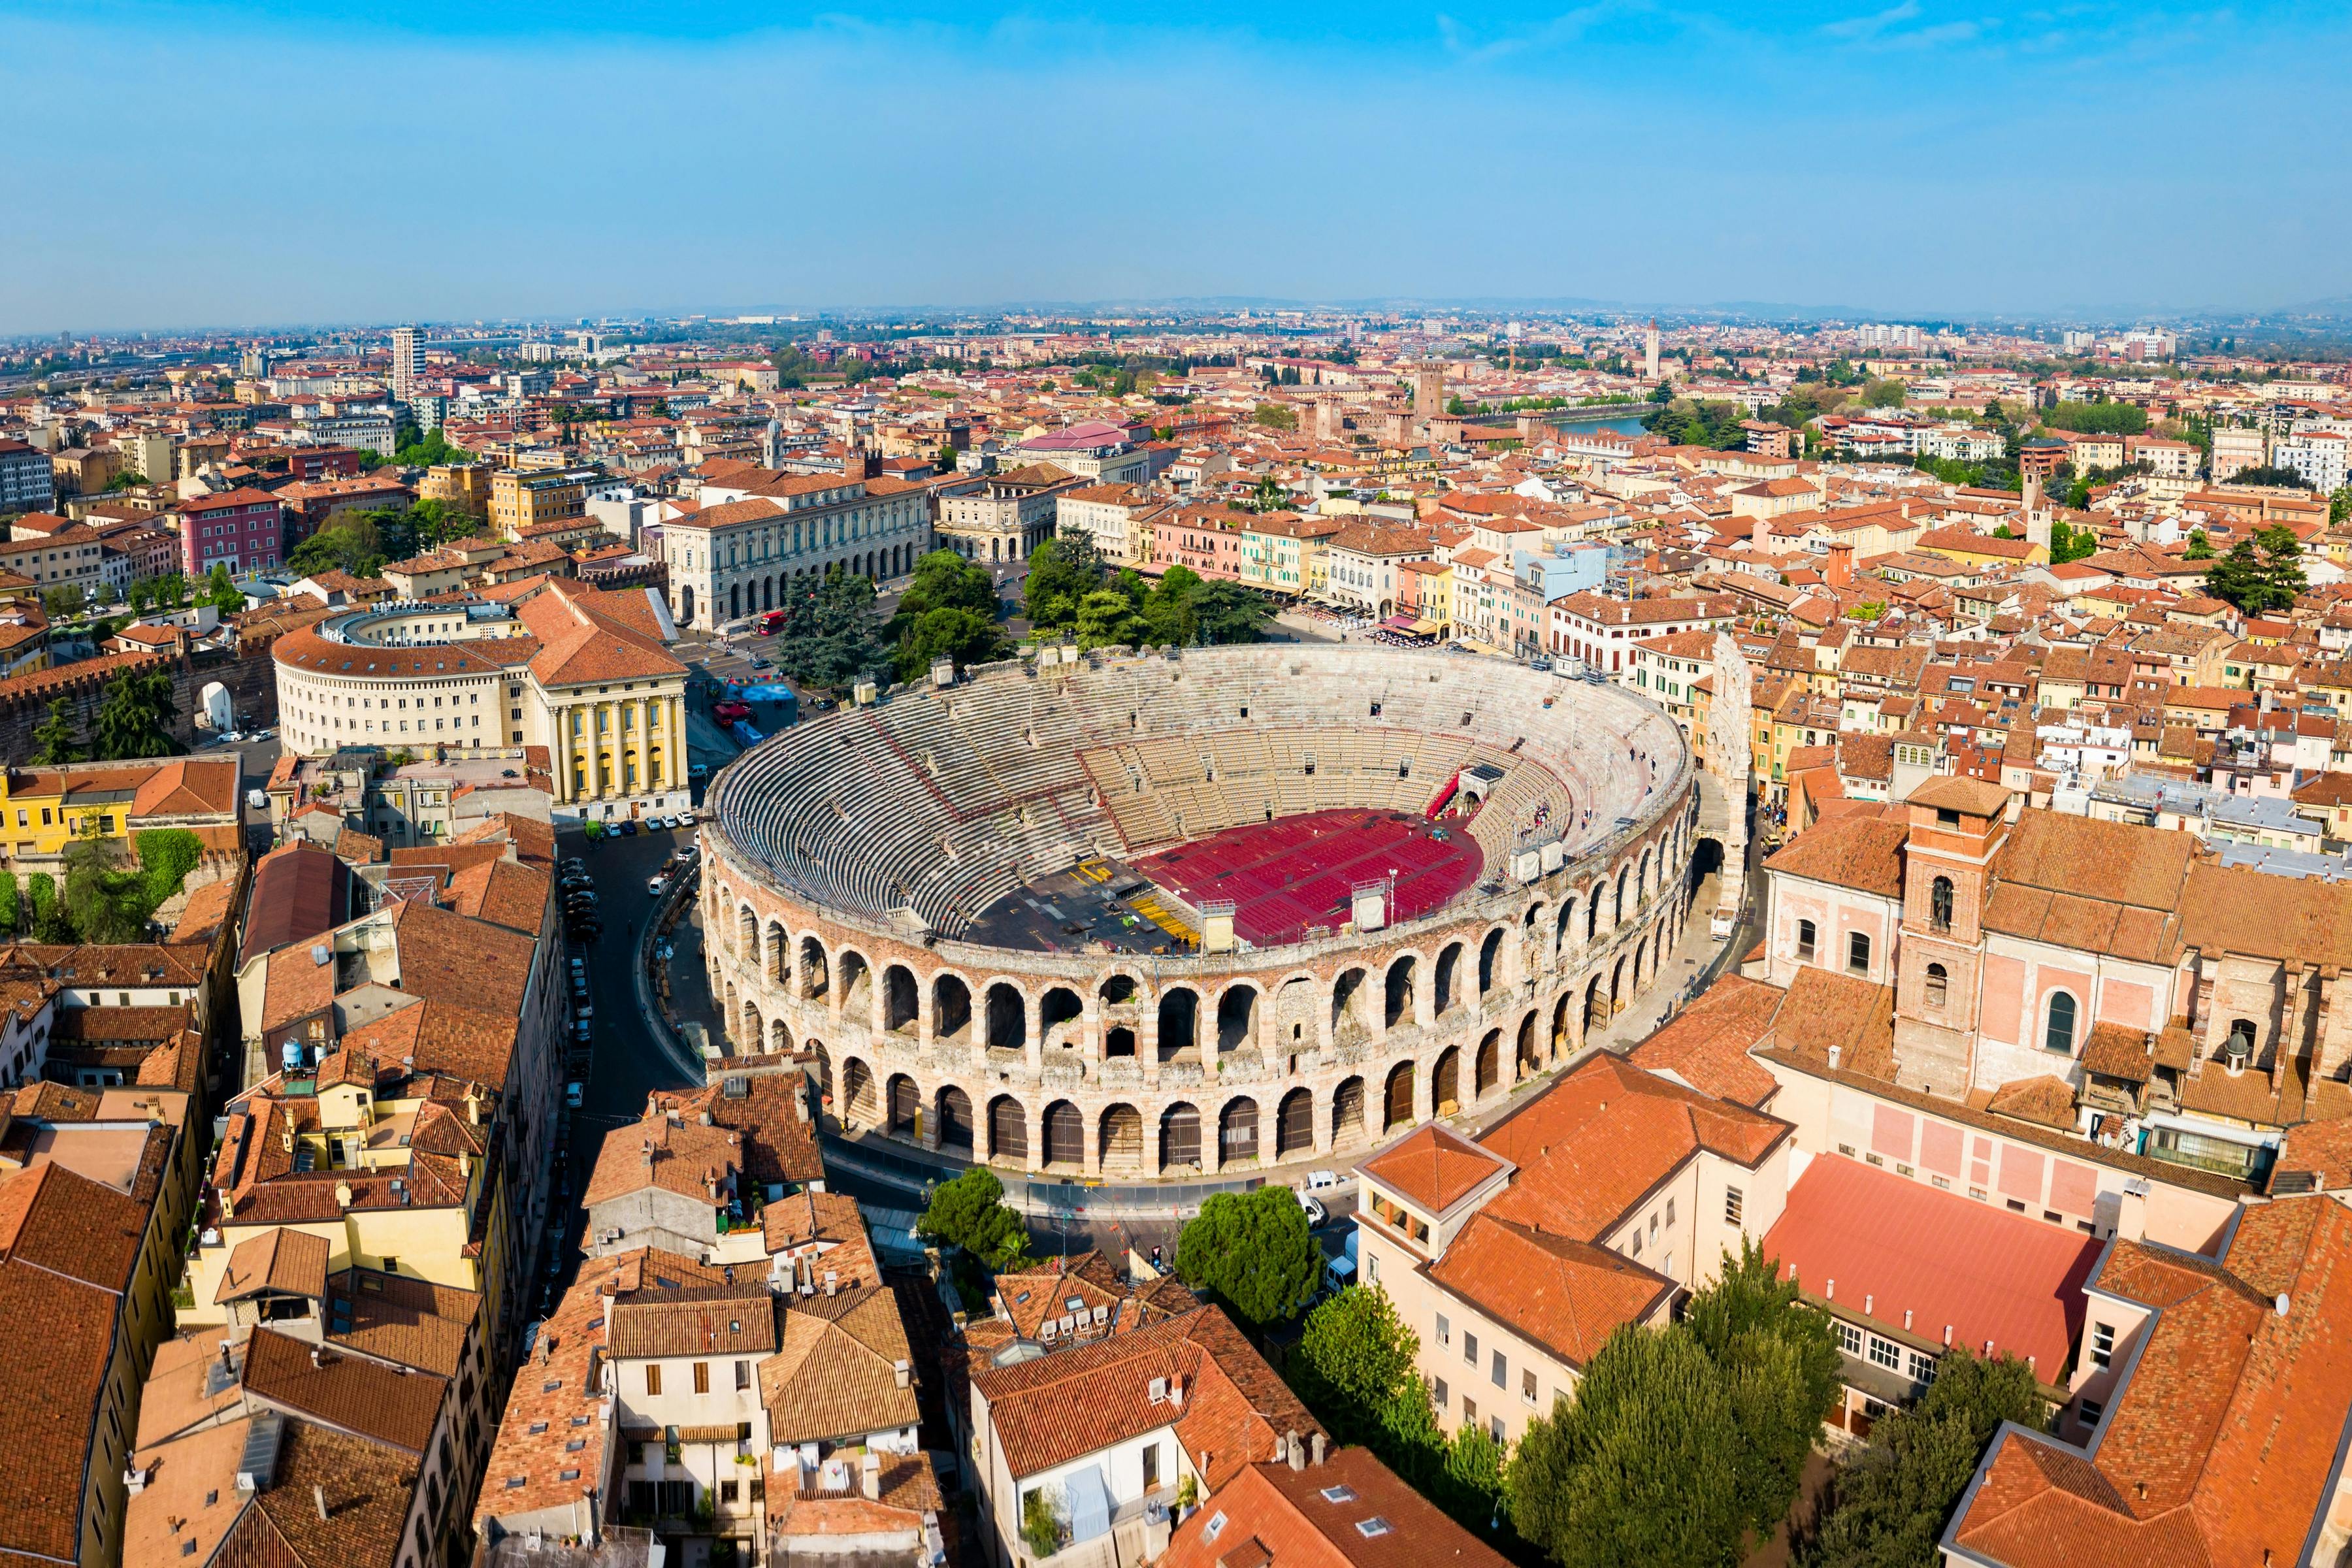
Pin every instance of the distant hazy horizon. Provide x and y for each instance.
(267, 163)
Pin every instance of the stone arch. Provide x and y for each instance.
(780, 953)
(816, 969)
(1617, 906)
(1347, 1112)
(823, 1075)
(1447, 977)
(1059, 1006)
(1119, 1040)
(952, 1119)
(1396, 1098)
(1488, 1070)
(1563, 928)
(1295, 1003)
(1527, 1052)
(1237, 1016)
(780, 1036)
(1294, 1124)
(903, 1106)
(1065, 1131)
(1350, 1019)
(1008, 1129)
(1445, 1082)
(1396, 988)
(950, 1008)
(1121, 1142)
(1117, 990)
(1180, 1137)
(1592, 911)
(857, 978)
(1237, 1130)
(1563, 1022)
(1596, 1006)
(857, 1094)
(1617, 993)
(1642, 886)
(1007, 1021)
(902, 1000)
(744, 943)
(754, 1032)
(1490, 961)
(1180, 1021)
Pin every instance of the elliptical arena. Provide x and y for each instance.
(1145, 916)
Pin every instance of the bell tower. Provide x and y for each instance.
(1956, 828)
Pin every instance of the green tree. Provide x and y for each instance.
(351, 543)
(2340, 505)
(1274, 417)
(166, 856)
(946, 459)
(1780, 1365)
(948, 611)
(1884, 395)
(1253, 1252)
(1890, 1499)
(2268, 474)
(54, 739)
(830, 635)
(1226, 613)
(2282, 562)
(970, 1211)
(2097, 419)
(221, 593)
(1267, 495)
(10, 910)
(106, 901)
(1355, 1356)
(49, 923)
(1642, 1467)
(2199, 547)
(1107, 617)
(2069, 543)
(135, 717)
(1168, 608)
(1062, 570)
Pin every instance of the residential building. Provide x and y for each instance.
(44, 811)
(1362, 563)
(760, 531)
(27, 479)
(243, 529)
(1602, 631)
(71, 557)
(522, 498)
(2237, 448)
(1004, 516)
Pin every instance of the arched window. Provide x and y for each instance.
(2060, 1035)
(2241, 1046)
(1940, 904)
(1805, 935)
(1939, 985)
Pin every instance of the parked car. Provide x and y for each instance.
(1316, 1215)
(572, 1093)
(629, 829)
(657, 885)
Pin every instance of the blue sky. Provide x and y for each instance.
(264, 163)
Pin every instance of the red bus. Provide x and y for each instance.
(729, 712)
(772, 622)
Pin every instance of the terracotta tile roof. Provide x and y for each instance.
(2043, 1099)
(709, 1320)
(1706, 1045)
(1433, 1167)
(399, 1318)
(1077, 1401)
(2221, 1446)
(1294, 1522)
(352, 1394)
(1861, 853)
(60, 1330)
(368, 1489)
(835, 1374)
(681, 1157)
(290, 1262)
(1565, 1295)
(779, 1140)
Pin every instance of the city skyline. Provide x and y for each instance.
(1914, 158)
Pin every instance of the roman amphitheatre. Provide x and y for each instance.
(1143, 916)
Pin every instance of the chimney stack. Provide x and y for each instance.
(1295, 1451)
(1314, 1449)
(872, 1476)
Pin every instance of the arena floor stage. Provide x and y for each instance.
(1295, 872)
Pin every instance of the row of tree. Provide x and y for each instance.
(1071, 593)
(359, 542)
(136, 715)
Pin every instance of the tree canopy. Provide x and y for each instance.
(948, 611)
(2272, 475)
(54, 738)
(107, 901)
(135, 716)
(1274, 417)
(970, 1211)
(1072, 592)
(1889, 1501)
(830, 635)
(1253, 1252)
(2261, 574)
(2097, 419)
(1689, 424)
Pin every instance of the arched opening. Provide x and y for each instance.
(1938, 987)
(1617, 908)
(686, 607)
(1396, 1098)
(1180, 1011)
(1617, 988)
(1059, 1007)
(2238, 1048)
(1642, 886)
(1008, 1130)
(1117, 991)
(734, 601)
(1122, 1141)
(1397, 1002)
(1490, 961)
(825, 1080)
(780, 954)
(1066, 1135)
(952, 1117)
(1705, 860)
(1445, 1082)
(1179, 1139)
(1348, 1112)
(1448, 979)
(1237, 1131)
(1596, 1006)
(1119, 1041)
(857, 1107)
(901, 1000)
(1940, 904)
(815, 970)
(1236, 1018)
(780, 1036)
(1640, 961)
(1348, 1019)
(857, 984)
(2060, 1034)
(1562, 1027)
(950, 1010)
(1008, 1018)
(1561, 928)
(1488, 1067)
(1528, 1059)
(754, 1031)
(1294, 1125)
(906, 1107)
(1592, 914)
(747, 934)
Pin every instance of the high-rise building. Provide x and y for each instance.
(408, 361)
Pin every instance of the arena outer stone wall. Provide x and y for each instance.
(1140, 1066)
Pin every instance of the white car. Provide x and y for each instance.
(656, 886)
(1316, 1215)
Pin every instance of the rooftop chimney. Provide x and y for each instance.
(871, 1475)
(1294, 1450)
(903, 1371)
(1314, 1449)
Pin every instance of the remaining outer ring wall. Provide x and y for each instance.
(1473, 999)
